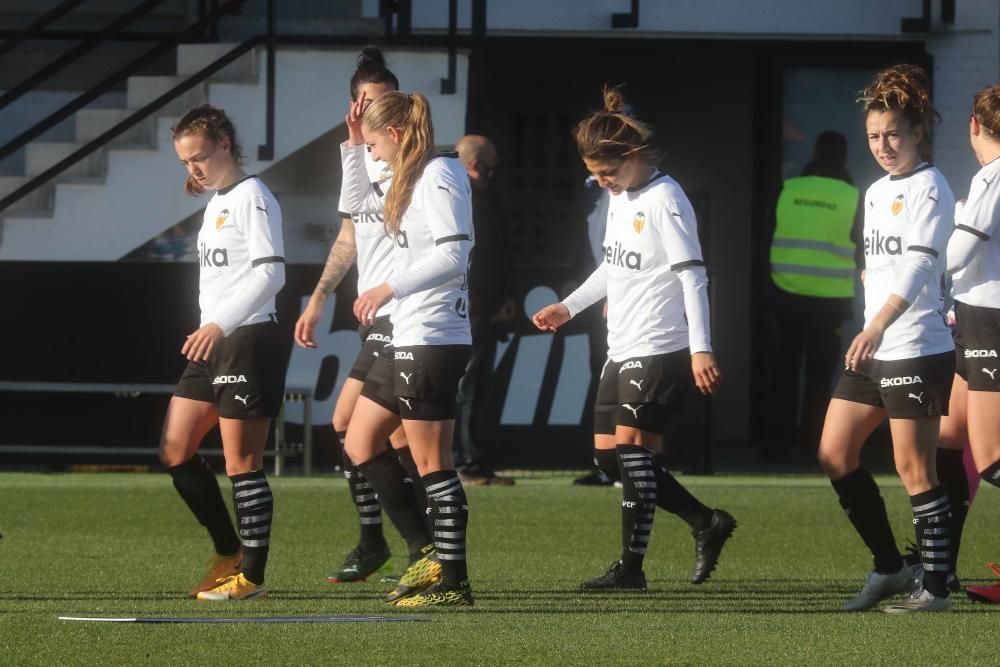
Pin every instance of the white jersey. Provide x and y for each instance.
(978, 284)
(905, 214)
(651, 236)
(432, 253)
(240, 232)
(374, 246)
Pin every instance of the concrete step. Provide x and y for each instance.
(40, 199)
(144, 89)
(193, 57)
(40, 155)
(237, 28)
(91, 123)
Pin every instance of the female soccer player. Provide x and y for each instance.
(901, 364)
(362, 238)
(235, 375)
(974, 261)
(428, 214)
(655, 282)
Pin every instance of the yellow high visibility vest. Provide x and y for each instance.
(812, 253)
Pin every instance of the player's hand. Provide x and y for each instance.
(305, 326)
(862, 349)
(551, 317)
(707, 376)
(355, 111)
(199, 345)
(604, 310)
(369, 301)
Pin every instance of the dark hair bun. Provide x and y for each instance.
(371, 57)
(614, 100)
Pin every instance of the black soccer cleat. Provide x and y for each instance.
(708, 545)
(360, 563)
(617, 578)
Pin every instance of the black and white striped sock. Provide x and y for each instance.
(450, 513)
(254, 506)
(365, 500)
(638, 502)
(932, 523)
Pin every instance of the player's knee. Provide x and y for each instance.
(340, 421)
(171, 453)
(834, 461)
(914, 473)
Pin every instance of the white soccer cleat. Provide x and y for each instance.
(922, 600)
(879, 587)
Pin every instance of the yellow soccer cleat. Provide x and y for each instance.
(441, 596)
(420, 575)
(219, 567)
(236, 587)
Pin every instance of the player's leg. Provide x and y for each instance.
(915, 451)
(186, 424)
(427, 407)
(984, 437)
(372, 551)
(243, 442)
(951, 469)
(915, 411)
(255, 355)
(846, 428)
(371, 424)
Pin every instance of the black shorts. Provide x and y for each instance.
(246, 376)
(421, 381)
(642, 391)
(977, 346)
(906, 388)
(376, 340)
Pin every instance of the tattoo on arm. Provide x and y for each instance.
(340, 259)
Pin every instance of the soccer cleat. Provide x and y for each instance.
(708, 545)
(441, 595)
(420, 575)
(617, 578)
(912, 560)
(989, 594)
(360, 564)
(878, 587)
(236, 587)
(219, 567)
(595, 478)
(921, 600)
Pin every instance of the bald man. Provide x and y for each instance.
(479, 156)
(489, 310)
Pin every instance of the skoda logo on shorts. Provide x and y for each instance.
(462, 308)
(229, 379)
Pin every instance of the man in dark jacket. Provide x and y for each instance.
(489, 309)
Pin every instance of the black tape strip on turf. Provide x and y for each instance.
(250, 619)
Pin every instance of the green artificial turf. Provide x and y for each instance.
(125, 545)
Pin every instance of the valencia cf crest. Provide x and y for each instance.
(221, 220)
(897, 205)
(638, 222)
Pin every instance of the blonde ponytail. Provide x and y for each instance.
(411, 116)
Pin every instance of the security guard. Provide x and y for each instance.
(814, 261)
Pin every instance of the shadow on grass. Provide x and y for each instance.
(774, 597)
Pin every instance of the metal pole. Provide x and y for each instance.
(266, 151)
